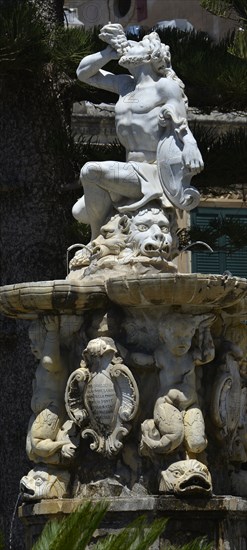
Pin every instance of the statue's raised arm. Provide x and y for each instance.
(90, 67)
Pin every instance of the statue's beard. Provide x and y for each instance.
(127, 60)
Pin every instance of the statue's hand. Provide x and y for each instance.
(68, 450)
(113, 34)
(192, 158)
(51, 323)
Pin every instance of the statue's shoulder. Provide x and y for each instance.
(168, 87)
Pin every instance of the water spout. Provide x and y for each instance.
(197, 242)
(78, 245)
(12, 521)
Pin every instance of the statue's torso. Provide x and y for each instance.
(137, 115)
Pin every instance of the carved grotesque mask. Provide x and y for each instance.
(149, 233)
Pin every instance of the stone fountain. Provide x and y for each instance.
(140, 394)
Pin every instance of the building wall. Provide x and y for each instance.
(148, 13)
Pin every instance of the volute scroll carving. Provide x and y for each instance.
(102, 397)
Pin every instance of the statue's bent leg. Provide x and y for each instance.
(104, 183)
(194, 430)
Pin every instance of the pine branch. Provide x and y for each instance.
(220, 8)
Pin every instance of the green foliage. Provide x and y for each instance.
(212, 76)
(68, 47)
(225, 158)
(28, 46)
(231, 9)
(28, 50)
(75, 532)
(24, 41)
(87, 150)
(237, 11)
(139, 535)
(239, 47)
(197, 544)
(222, 233)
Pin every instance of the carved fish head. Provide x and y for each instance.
(186, 477)
(40, 483)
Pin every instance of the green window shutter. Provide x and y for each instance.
(219, 261)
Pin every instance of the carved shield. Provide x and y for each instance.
(174, 176)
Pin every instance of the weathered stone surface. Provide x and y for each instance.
(221, 519)
(29, 300)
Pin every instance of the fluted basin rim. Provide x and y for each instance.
(29, 300)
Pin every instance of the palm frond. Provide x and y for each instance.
(235, 9)
(139, 535)
(73, 532)
(70, 45)
(197, 544)
(49, 534)
(239, 46)
(24, 40)
(79, 527)
(222, 8)
(240, 7)
(212, 76)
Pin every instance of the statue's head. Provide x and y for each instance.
(97, 348)
(149, 50)
(177, 330)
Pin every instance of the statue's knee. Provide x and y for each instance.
(79, 211)
(90, 173)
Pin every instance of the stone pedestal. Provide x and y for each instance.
(221, 519)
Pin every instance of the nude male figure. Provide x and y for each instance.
(151, 106)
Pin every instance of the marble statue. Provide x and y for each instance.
(151, 123)
(177, 415)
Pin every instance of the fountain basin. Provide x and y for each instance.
(30, 300)
(190, 289)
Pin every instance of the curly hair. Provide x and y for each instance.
(160, 57)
